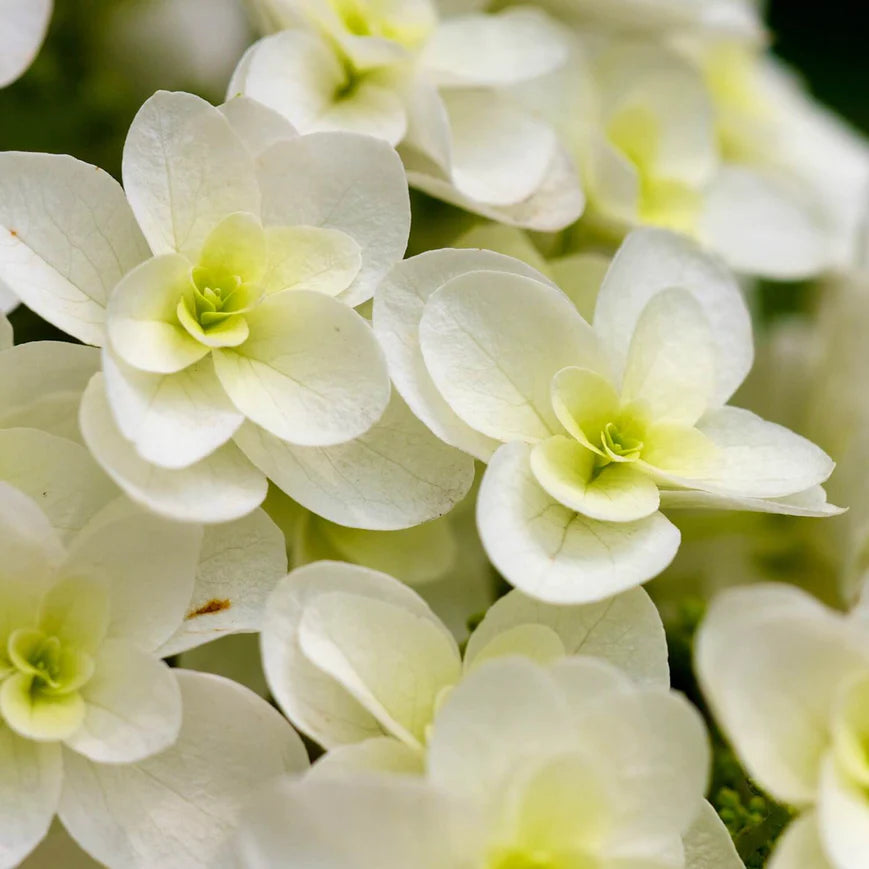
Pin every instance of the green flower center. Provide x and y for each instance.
(621, 444)
(53, 668)
(216, 297)
(520, 858)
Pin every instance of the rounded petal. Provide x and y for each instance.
(616, 493)
(843, 819)
(239, 564)
(553, 553)
(398, 308)
(493, 341)
(625, 630)
(311, 373)
(171, 420)
(652, 260)
(219, 488)
(395, 476)
(341, 181)
(177, 808)
(133, 707)
(185, 170)
(30, 780)
(24, 25)
(38, 716)
(800, 846)
(66, 269)
(148, 564)
(258, 126)
(315, 701)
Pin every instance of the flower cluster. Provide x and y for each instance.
(298, 428)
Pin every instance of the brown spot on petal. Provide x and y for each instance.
(213, 606)
(13, 233)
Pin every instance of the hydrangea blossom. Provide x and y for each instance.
(360, 663)
(230, 347)
(569, 765)
(588, 430)
(22, 28)
(440, 91)
(93, 726)
(788, 680)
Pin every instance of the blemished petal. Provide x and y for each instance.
(764, 224)
(671, 361)
(492, 342)
(758, 459)
(394, 662)
(652, 260)
(708, 844)
(177, 808)
(258, 126)
(398, 307)
(553, 553)
(843, 818)
(310, 258)
(387, 821)
(344, 181)
(141, 319)
(379, 754)
(219, 488)
(148, 564)
(311, 372)
(239, 564)
(500, 152)
(771, 678)
(172, 420)
(800, 846)
(185, 170)
(58, 474)
(625, 630)
(315, 702)
(30, 778)
(24, 25)
(132, 706)
(65, 270)
(396, 475)
(494, 50)
(616, 493)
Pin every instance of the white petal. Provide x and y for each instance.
(652, 260)
(372, 110)
(396, 475)
(30, 779)
(311, 373)
(172, 420)
(222, 487)
(380, 754)
(492, 343)
(800, 846)
(24, 26)
(58, 474)
(625, 630)
(239, 565)
(771, 678)
(133, 706)
(385, 822)
(494, 50)
(843, 819)
(149, 565)
(341, 181)
(554, 554)
(812, 502)
(500, 152)
(708, 844)
(31, 547)
(315, 702)
(65, 269)
(185, 170)
(176, 809)
(763, 224)
(7, 338)
(398, 308)
(258, 126)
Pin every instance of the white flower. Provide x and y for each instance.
(22, 28)
(592, 428)
(441, 92)
(572, 765)
(230, 347)
(788, 680)
(360, 663)
(93, 726)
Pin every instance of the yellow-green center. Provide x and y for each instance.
(52, 668)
